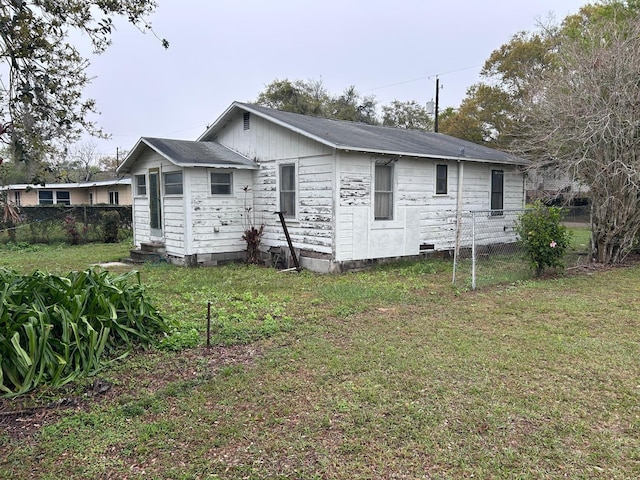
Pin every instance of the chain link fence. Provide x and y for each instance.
(53, 223)
(487, 251)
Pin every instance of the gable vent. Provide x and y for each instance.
(245, 119)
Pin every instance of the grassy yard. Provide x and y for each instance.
(387, 373)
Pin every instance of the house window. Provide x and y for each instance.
(114, 198)
(246, 120)
(141, 185)
(497, 192)
(288, 190)
(17, 198)
(173, 183)
(383, 195)
(441, 180)
(49, 197)
(45, 197)
(90, 198)
(63, 198)
(220, 183)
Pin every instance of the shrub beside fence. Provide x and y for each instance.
(488, 253)
(67, 223)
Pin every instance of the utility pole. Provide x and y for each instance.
(435, 125)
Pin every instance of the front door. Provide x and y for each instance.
(155, 205)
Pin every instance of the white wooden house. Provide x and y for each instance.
(351, 193)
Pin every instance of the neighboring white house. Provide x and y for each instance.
(351, 193)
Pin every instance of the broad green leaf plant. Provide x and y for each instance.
(55, 329)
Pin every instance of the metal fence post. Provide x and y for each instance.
(473, 250)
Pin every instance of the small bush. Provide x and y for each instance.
(111, 222)
(70, 225)
(543, 238)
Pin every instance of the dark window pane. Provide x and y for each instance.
(220, 183)
(441, 179)
(45, 197)
(497, 191)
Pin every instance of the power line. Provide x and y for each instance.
(427, 77)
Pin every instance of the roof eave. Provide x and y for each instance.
(220, 165)
(228, 113)
(426, 155)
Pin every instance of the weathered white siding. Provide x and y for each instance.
(272, 145)
(140, 204)
(218, 221)
(264, 140)
(420, 218)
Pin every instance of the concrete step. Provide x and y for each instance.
(142, 256)
(155, 247)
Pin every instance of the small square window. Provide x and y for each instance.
(221, 183)
(173, 183)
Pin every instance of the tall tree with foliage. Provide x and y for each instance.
(489, 114)
(583, 117)
(410, 115)
(312, 98)
(299, 96)
(42, 103)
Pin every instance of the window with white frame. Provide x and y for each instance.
(141, 185)
(173, 183)
(383, 192)
(63, 198)
(45, 197)
(441, 179)
(114, 197)
(51, 197)
(288, 190)
(497, 192)
(221, 183)
(17, 198)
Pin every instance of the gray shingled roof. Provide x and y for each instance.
(193, 153)
(344, 135)
(189, 153)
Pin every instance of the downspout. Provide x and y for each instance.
(188, 219)
(459, 206)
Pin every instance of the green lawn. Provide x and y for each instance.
(387, 373)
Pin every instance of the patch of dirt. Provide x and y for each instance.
(24, 416)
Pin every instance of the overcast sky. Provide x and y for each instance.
(227, 50)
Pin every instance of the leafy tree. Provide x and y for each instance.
(311, 98)
(42, 106)
(351, 106)
(410, 115)
(582, 117)
(307, 98)
(109, 164)
(489, 112)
